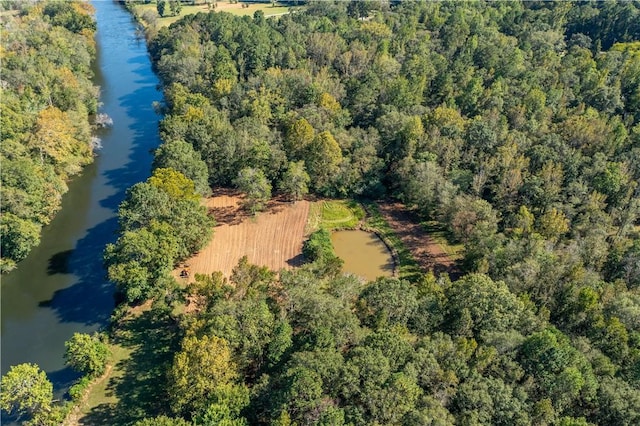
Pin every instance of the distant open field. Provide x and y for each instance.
(222, 6)
(272, 238)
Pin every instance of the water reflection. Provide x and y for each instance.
(61, 287)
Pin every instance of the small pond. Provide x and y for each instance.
(364, 254)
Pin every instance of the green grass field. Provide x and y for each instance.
(234, 9)
(135, 387)
(101, 392)
(334, 214)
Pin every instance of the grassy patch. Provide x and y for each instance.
(234, 9)
(334, 214)
(439, 234)
(253, 7)
(344, 214)
(142, 351)
(101, 392)
(408, 268)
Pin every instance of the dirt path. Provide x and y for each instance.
(426, 252)
(75, 416)
(273, 238)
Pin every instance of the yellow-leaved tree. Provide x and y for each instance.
(56, 142)
(203, 379)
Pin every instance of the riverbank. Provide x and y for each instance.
(48, 105)
(60, 288)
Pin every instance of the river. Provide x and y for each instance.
(60, 288)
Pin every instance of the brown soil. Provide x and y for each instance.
(272, 238)
(406, 225)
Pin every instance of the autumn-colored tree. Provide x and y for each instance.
(174, 183)
(55, 142)
(202, 373)
(553, 224)
(299, 136)
(323, 157)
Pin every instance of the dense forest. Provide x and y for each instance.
(46, 98)
(515, 125)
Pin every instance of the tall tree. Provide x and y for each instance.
(180, 155)
(256, 187)
(26, 391)
(86, 353)
(295, 181)
(323, 158)
(203, 373)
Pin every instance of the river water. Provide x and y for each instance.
(60, 288)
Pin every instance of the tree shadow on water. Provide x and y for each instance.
(89, 301)
(59, 263)
(142, 132)
(65, 378)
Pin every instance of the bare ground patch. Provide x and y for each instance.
(272, 238)
(406, 225)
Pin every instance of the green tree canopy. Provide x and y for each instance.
(86, 353)
(26, 391)
(256, 188)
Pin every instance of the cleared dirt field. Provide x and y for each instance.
(406, 225)
(273, 238)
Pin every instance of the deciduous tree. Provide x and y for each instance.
(256, 187)
(202, 368)
(86, 353)
(26, 391)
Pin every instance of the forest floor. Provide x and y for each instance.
(431, 252)
(272, 238)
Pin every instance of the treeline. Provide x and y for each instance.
(46, 99)
(513, 124)
(320, 348)
(161, 223)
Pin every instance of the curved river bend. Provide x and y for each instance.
(61, 287)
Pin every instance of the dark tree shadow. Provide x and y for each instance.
(228, 215)
(90, 300)
(296, 261)
(142, 388)
(59, 263)
(65, 378)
